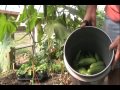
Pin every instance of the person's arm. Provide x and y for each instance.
(116, 45)
(90, 15)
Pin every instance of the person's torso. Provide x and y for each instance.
(113, 12)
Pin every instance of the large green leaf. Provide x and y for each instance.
(2, 26)
(30, 15)
(31, 10)
(61, 32)
(3, 30)
(11, 27)
(23, 16)
(6, 26)
(31, 23)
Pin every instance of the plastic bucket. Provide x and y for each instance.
(90, 39)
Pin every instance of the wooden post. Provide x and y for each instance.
(33, 42)
(36, 39)
(12, 56)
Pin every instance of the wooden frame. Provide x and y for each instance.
(12, 13)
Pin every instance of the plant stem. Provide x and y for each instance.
(33, 70)
(45, 11)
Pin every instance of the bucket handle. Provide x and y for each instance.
(87, 23)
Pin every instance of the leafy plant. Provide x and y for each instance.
(7, 28)
(100, 19)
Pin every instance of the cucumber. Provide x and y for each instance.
(86, 61)
(75, 62)
(78, 55)
(97, 57)
(96, 69)
(82, 71)
(96, 64)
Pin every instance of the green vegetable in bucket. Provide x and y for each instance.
(97, 57)
(95, 70)
(99, 63)
(82, 71)
(88, 63)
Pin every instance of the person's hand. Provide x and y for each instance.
(116, 45)
(85, 23)
(90, 16)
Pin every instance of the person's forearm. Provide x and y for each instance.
(116, 46)
(91, 14)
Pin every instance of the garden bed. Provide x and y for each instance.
(54, 79)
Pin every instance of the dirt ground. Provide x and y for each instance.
(12, 80)
(55, 79)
